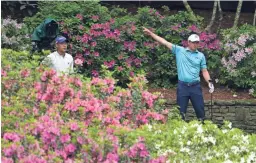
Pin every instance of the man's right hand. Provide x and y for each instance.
(146, 31)
(157, 38)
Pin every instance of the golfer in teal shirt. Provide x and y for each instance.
(189, 64)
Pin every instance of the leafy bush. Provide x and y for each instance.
(49, 118)
(46, 117)
(115, 38)
(239, 59)
(66, 10)
(14, 35)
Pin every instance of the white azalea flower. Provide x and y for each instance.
(245, 139)
(230, 125)
(165, 153)
(157, 146)
(226, 156)
(251, 157)
(242, 160)
(235, 149)
(149, 127)
(209, 139)
(158, 132)
(185, 149)
(200, 129)
(224, 131)
(195, 125)
(251, 91)
(243, 149)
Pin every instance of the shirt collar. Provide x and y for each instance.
(60, 55)
(187, 49)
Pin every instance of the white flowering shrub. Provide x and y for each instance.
(14, 35)
(178, 141)
(239, 58)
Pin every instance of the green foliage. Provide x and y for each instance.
(66, 10)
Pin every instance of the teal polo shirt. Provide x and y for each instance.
(189, 63)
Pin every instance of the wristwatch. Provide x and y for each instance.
(210, 81)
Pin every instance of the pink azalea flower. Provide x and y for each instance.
(112, 157)
(96, 54)
(130, 46)
(133, 27)
(95, 17)
(3, 73)
(74, 126)
(93, 44)
(193, 28)
(80, 140)
(12, 136)
(78, 62)
(80, 27)
(71, 106)
(120, 68)
(65, 138)
(131, 74)
(144, 153)
(78, 82)
(95, 73)
(6, 160)
(249, 50)
(79, 16)
(70, 148)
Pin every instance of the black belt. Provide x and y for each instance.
(189, 83)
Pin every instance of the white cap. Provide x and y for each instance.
(193, 38)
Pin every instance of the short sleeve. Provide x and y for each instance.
(203, 63)
(176, 49)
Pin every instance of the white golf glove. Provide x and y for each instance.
(211, 86)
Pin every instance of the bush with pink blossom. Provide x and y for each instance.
(114, 38)
(239, 59)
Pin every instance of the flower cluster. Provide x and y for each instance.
(208, 41)
(238, 52)
(14, 35)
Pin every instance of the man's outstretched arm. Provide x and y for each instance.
(158, 38)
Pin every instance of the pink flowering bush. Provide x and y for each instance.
(50, 118)
(239, 58)
(47, 118)
(115, 39)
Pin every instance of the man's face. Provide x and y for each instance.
(62, 47)
(193, 45)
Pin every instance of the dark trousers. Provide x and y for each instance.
(192, 92)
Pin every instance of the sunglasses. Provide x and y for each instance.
(195, 42)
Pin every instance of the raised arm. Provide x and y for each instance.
(158, 38)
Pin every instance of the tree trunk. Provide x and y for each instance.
(189, 9)
(208, 28)
(254, 19)
(220, 16)
(238, 10)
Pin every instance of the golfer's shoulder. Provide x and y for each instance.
(177, 49)
(51, 55)
(69, 56)
(201, 55)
